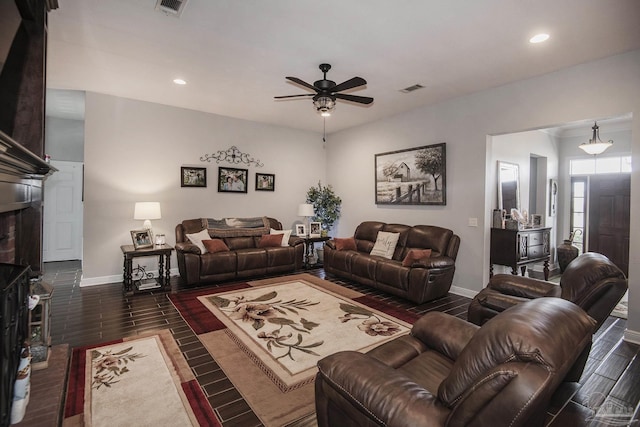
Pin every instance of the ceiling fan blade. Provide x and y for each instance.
(302, 83)
(294, 96)
(349, 84)
(354, 98)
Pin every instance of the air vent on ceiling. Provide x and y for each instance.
(171, 7)
(411, 88)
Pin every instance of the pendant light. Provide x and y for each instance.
(595, 144)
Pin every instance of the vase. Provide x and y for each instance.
(566, 253)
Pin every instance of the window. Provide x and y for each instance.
(597, 165)
(578, 211)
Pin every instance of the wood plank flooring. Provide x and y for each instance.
(607, 394)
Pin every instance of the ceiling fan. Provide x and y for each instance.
(327, 91)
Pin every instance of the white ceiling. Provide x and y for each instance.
(235, 54)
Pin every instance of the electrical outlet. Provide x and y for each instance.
(473, 222)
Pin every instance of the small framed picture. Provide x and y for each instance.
(193, 177)
(265, 182)
(141, 239)
(536, 220)
(314, 229)
(301, 230)
(232, 180)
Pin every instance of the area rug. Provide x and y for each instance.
(621, 310)
(142, 381)
(275, 401)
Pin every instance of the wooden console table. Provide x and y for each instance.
(518, 248)
(163, 252)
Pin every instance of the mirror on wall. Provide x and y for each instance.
(508, 186)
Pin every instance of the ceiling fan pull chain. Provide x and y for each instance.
(324, 129)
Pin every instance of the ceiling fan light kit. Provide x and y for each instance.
(327, 92)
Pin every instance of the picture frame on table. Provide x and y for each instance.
(315, 229)
(193, 177)
(415, 176)
(232, 180)
(265, 182)
(301, 230)
(142, 239)
(536, 220)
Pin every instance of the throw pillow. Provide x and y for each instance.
(286, 234)
(197, 238)
(215, 245)
(416, 256)
(385, 244)
(270, 241)
(345, 244)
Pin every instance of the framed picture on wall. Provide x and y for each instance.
(416, 176)
(553, 196)
(232, 180)
(265, 182)
(193, 177)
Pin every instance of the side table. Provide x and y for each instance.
(163, 252)
(309, 243)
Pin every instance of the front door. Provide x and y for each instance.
(609, 217)
(62, 228)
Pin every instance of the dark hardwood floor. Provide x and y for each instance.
(607, 394)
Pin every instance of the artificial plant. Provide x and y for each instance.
(326, 205)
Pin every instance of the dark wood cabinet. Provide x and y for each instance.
(518, 248)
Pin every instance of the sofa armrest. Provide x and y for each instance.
(295, 240)
(435, 262)
(187, 247)
(523, 287)
(387, 396)
(331, 244)
(444, 333)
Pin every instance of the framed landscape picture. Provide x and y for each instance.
(193, 177)
(265, 182)
(416, 176)
(232, 180)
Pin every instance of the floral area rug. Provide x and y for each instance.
(141, 381)
(267, 335)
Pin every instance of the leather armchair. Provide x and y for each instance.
(449, 372)
(591, 281)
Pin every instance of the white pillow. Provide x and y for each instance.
(285, 237)
(385, 244)
(197, 238)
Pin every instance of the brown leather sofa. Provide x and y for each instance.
(591, 281)
(418, 282)
(449, 372)
(243, 259)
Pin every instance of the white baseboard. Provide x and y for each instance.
(463, 292)
(632, 336)
(117, 278)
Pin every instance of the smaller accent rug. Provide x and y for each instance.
(141, 381)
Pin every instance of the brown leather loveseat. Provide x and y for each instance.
(420, 281)
(242, 254)
(449, 372)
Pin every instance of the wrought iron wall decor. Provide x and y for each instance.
(233, 156)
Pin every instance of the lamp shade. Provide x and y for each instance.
(596, 145)
(305, 209)
(147, 210)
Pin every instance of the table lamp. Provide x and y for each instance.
(147, 211)
(306, 210)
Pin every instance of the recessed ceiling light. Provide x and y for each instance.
(180, 81)
(539, 38)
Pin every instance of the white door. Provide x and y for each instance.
(62, 229)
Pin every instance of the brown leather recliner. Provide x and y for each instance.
(449, 372)
(591, 281)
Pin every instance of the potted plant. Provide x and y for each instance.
(326, 205)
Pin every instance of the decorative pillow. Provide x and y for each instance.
(285, 238)
(215, 245)
(345, 244)
(270, 241)
(197, 238)
(416, 256)
(385, 244)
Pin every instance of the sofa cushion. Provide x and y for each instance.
(197, 238)
(416, 256)
(385, 244)
(215, 245)
(429, 237)
(286, 234)
(236, 243)
(270, 241)
(345, 244)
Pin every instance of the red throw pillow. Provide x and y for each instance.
(270, 240)
(215, 245)
(416, 256)
(345, 244)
